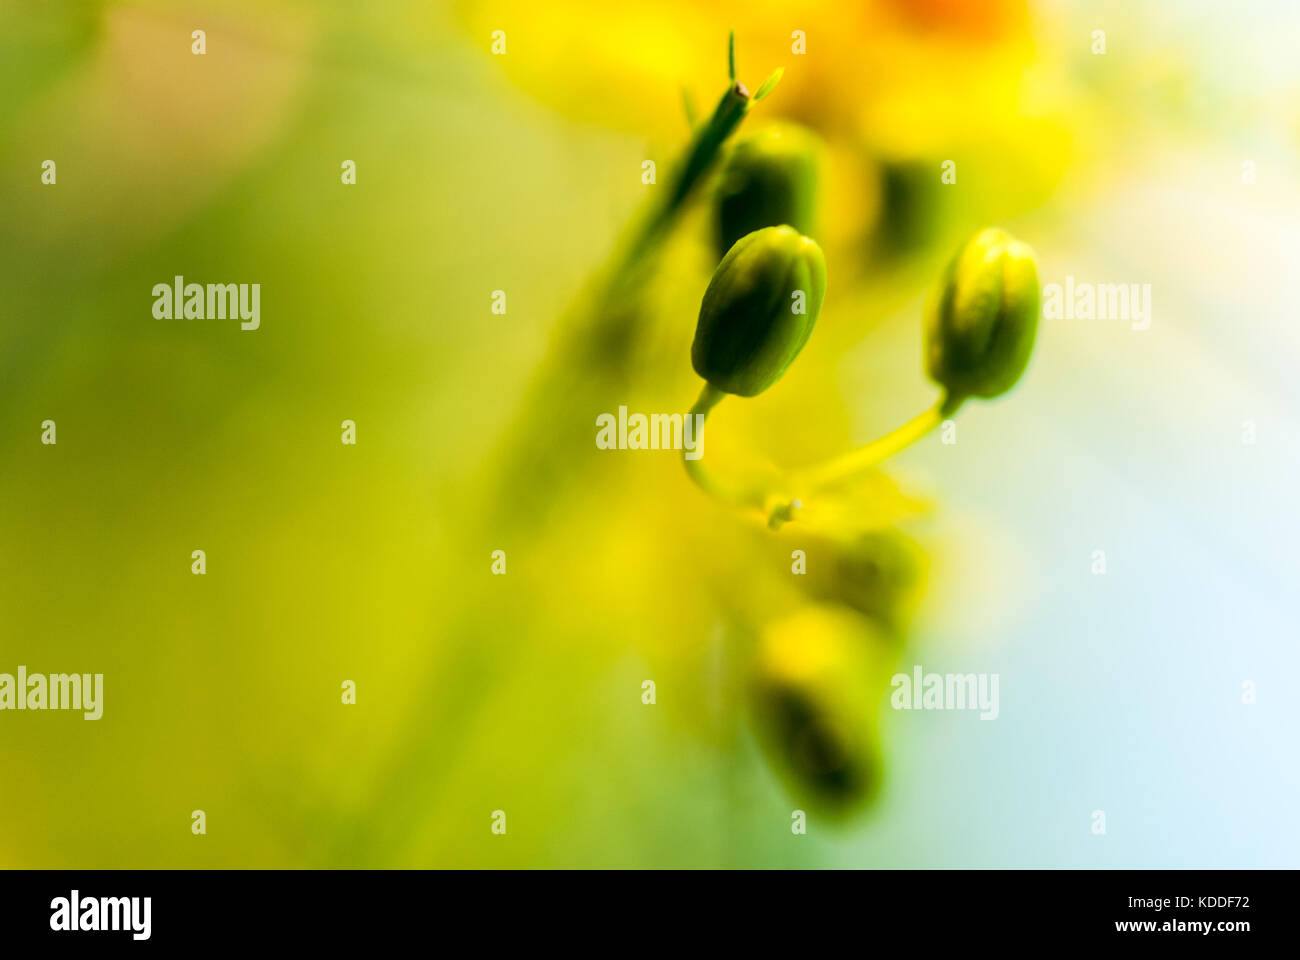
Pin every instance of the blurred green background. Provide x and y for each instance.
(475, 433)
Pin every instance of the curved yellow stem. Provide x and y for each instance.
(862, 459)
(778, 508)
(745, 497)
(874, 453)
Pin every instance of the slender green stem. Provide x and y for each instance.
(703, 150)
(702, 476)
(749, 496)
(756, 495)
(779, 508)
(599, 334)
(861, 460)
(710, 396)
(869, 456)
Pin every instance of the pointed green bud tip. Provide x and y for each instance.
(759, 310)
(982, 318)
(768, 180)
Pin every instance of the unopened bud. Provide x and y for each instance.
(819, 688)
(759, 310)
(981, 320)
(769, 179)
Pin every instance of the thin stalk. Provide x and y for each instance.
(703, 150)
(750, 496)
(780, 509)
(865, 458)
(597, 338)
(702, 476)
(859, 461)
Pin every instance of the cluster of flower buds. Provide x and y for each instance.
(819, 679)
(765, 296)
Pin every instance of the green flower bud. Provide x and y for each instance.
(880, 574)
(981, 321)
(819, 686)
(759, 310)
(769, 179)
(909, 211)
